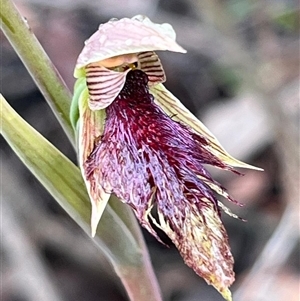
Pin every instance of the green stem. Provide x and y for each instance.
(139, 281)
(37, 63)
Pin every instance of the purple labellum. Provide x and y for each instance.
(138, 141)
(150, 162)
(144, 154)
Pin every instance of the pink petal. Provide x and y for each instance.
(124, 36)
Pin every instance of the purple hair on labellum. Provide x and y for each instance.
(138, 141)
(147, 159)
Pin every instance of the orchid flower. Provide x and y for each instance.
(136, 140)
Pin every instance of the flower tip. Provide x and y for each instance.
(93, 231)
(179, 49)
(96, 215)
(257, 168)
(248, 166)
(94, 222)
(228, 159)
(226, 294)
(98, 207)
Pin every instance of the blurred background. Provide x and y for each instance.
(240, 76)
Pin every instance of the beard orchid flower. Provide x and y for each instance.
(137, 141)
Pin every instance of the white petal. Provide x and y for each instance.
(124, 36)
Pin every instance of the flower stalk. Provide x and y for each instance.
(17, 30)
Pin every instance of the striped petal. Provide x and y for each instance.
(104, 85)
(173, 107)
(90, 129)
(151, 65)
